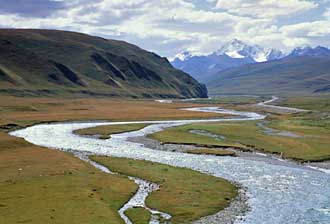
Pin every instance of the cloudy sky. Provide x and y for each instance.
(168, 27)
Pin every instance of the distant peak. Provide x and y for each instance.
(310, 51)
(236, 41)
(182, 56)
(238, 49)
(303, 47)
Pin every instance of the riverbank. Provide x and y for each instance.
(248, 136)
(247, 155)
(185, 194)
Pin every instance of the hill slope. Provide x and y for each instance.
(288, 76)
(50, 62)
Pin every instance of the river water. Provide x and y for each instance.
(279, 193)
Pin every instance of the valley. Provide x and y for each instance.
(119, 145)
(98, 130)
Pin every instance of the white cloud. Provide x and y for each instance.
(265, 8)
(308, 29)
(170, 26)
(326, 14)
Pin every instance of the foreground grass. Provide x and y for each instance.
(39, 185)
(138, 215)
(185, 194)
(105, 131)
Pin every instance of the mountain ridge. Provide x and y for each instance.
(309, 51)
(54, 62)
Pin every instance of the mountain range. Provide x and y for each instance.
(237, 68)
(51, 62)
(318, 51)
(234, 54)
(62, 63)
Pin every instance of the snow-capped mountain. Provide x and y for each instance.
(238, 49)
(232, 54)
(183, 56)
(309, 51)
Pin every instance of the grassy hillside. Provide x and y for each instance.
(289, 76)
(50, 62)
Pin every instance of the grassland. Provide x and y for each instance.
(316, 103)
(313, 146)
(27, 111)
(138, 215)
(182, 134)
(104, 131)
(185, 194)
(214, 152)
(39, 185)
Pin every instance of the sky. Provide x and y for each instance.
(168, 27)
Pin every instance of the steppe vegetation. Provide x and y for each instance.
(185, 194)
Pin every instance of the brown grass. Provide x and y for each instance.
(39, 185)
(30, 110)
